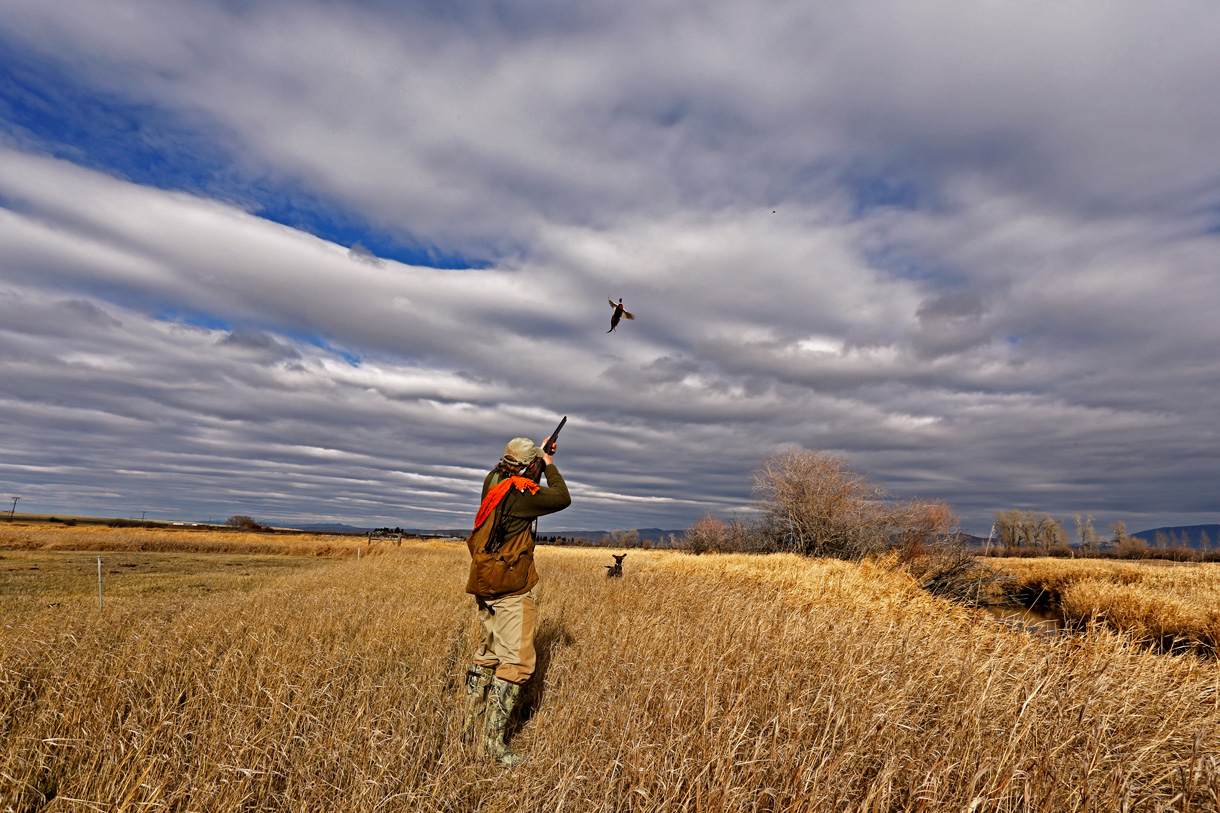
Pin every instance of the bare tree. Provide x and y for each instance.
(1028, 529)
(705, 535)
(919, 524)
(1132, 547)
(1050, 533)
(1007, 528)
(625, 538)
(709, 533)
(1086, 534)
(813, 503)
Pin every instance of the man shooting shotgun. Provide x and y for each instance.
(502, 581)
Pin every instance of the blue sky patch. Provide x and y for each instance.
(870, 192)
(206, 321)
(209, 321)
(47, 108)
(906, 264)
(320, 342)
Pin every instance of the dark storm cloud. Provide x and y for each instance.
(970, 246)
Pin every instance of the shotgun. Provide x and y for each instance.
(535, 469)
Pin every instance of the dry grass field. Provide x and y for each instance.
(725, 682)
(1164, 602)
(47, 536)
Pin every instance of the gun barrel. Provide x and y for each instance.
(550, 444)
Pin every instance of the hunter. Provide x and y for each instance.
(502, 581)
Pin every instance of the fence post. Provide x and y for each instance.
(99, 583)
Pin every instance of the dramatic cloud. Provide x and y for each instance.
(971, 247)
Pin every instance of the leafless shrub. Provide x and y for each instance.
(242, 523)
(947, 568)
(920, 525)
(814, 504)
(710, 534)
(1130, 547)
(131, 523)
(706, 534)
(930, 549)
(625, 538)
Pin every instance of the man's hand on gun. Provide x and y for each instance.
(534, 471)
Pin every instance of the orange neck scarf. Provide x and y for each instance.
(497, 493)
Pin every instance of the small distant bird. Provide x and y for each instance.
(619, 313)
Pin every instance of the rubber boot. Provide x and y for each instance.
(501, 700)
(477, 681)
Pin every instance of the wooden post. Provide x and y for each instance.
(99, 583)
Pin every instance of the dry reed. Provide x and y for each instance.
(764, 683)
(1156, 600)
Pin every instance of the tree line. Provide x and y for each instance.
(1035, 530)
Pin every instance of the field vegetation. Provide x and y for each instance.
(35, 579)
(1173, 605)
(153, 538)
(703, 683)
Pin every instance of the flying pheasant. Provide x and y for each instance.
(619, 313)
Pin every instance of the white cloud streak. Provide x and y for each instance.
(1030, 326)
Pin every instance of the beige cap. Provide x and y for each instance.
(521, 451)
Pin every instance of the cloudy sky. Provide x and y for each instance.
(320, 260)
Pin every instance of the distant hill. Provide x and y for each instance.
(1176, 535)
(651, 534)
(1183, 535)
(972, 541)
(328, 528)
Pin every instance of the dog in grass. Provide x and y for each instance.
(615, 571)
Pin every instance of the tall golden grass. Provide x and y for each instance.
(731, 682)
(42, 536)
(1150, 600)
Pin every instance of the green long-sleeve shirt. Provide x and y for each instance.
(522, 508)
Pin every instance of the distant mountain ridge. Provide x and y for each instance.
(325, 527)
(1175, 535)
(651, 534)
(1186, 535)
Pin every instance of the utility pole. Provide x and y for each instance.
(14, 511)
(142, 513)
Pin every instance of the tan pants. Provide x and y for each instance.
(508, 636)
